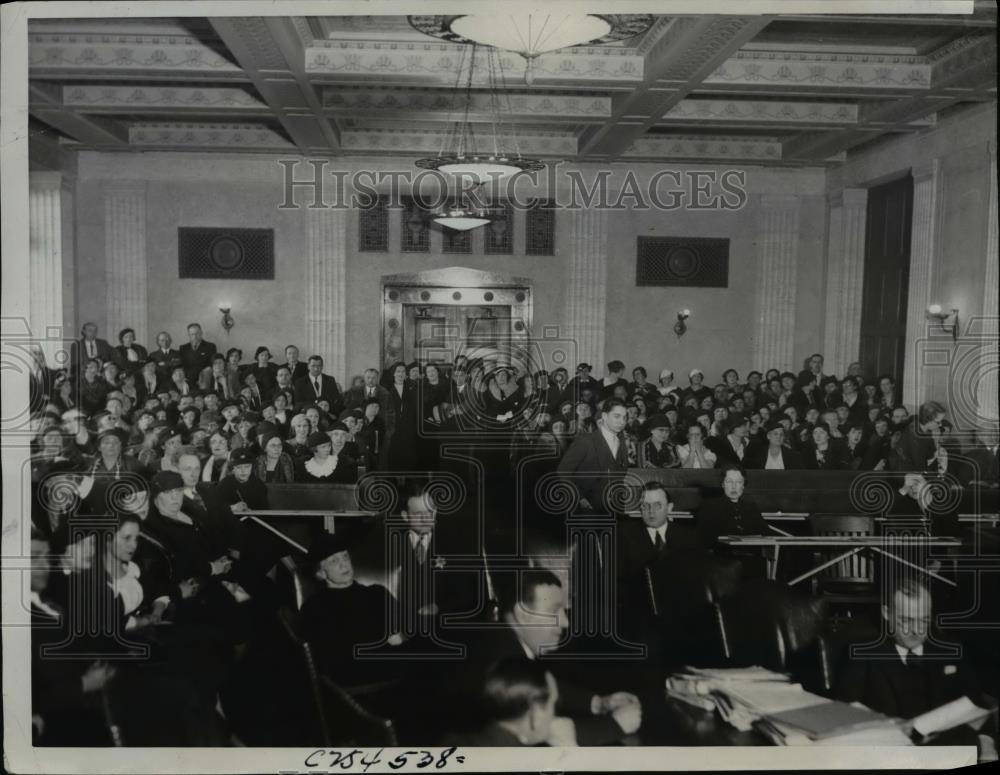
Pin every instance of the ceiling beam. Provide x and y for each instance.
(45, 103)
(967, 65)
(687, 51)
(267, 53)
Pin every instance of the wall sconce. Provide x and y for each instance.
(947, 320)
(227, 319)
(680, 327)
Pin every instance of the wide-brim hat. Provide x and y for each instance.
(317, 439)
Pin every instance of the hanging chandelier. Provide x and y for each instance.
(474, 155)
(532, 35)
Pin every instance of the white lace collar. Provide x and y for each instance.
(322, 469)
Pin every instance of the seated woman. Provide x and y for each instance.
(657, 452)
(325, 466)
(824, 453)
(501, 397)
(297, 444)
(282, 402)
(265, 372)
(694, 454)
(215, 467)
(274, 464)
(169, 448)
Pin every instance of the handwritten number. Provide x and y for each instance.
(443, 760)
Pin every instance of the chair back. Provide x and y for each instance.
(856, 568)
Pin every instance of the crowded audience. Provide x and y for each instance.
(181, 446)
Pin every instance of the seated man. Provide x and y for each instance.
(909, 673)
(534, 626)
(345, 614)
(517, 707)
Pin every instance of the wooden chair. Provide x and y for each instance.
(851, 581)
(341, 719)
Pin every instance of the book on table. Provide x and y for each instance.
(948, 716)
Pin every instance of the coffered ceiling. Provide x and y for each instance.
(776, 90)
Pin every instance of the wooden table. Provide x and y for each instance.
(852, 544)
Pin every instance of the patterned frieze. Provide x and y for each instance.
(231, 136)
(97, 97)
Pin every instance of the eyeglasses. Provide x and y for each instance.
(651, 507)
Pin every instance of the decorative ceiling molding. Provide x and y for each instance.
(232, 136)
(377, 102)
(110, 97)
(439, 64)
(763, 111)
(406, 141)
(59, 55)
(821, 71)
(700, 147)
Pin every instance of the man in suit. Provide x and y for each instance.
(773, 455)
(88, 347)
(731, 514)
(597, 460)
(534, 626)
(164, 356)
(910, 672)
(295, 366)
(657, 563)
(516, 707)
(918, 447)
(147, 382)
(196, 354)
(357, 397)
(317, 386)
(813, 372)
(283, 384)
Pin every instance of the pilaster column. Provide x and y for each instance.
(778, 243)
(586, 301)
(845, 277)
(326, 278)
(922, 247)
(125, 259)
(988, 397)
(46, 200)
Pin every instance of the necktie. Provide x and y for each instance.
(196, 498)
(371, 392)
(421, 550)
(316, 385)
(658, 540)
(912, 659)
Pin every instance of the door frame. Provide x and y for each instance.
(452, 286)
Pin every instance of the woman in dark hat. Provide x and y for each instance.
(344, 614)
(324, 466)
(657, 451)
(169, 447)
(130, 356)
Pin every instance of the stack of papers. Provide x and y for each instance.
(783, 711)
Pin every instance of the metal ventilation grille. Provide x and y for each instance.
(373, 227)
(682, 261)
(237, 254)
(540, 229)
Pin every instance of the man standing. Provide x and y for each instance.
(88, 347)
(813, 371)
(294, 365)
(596, 460)
(196, 355)
(359, 396)
(317, 386)
(165, 357)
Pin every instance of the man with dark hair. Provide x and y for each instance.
(357, 397)
(613, 377)
(516, 705)
(909, 671)
(317, 386)
(196, 354)
(984, 464)
(88, 347)
(598, 459)
(294, 365)
(813, 371)
(534, 625)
